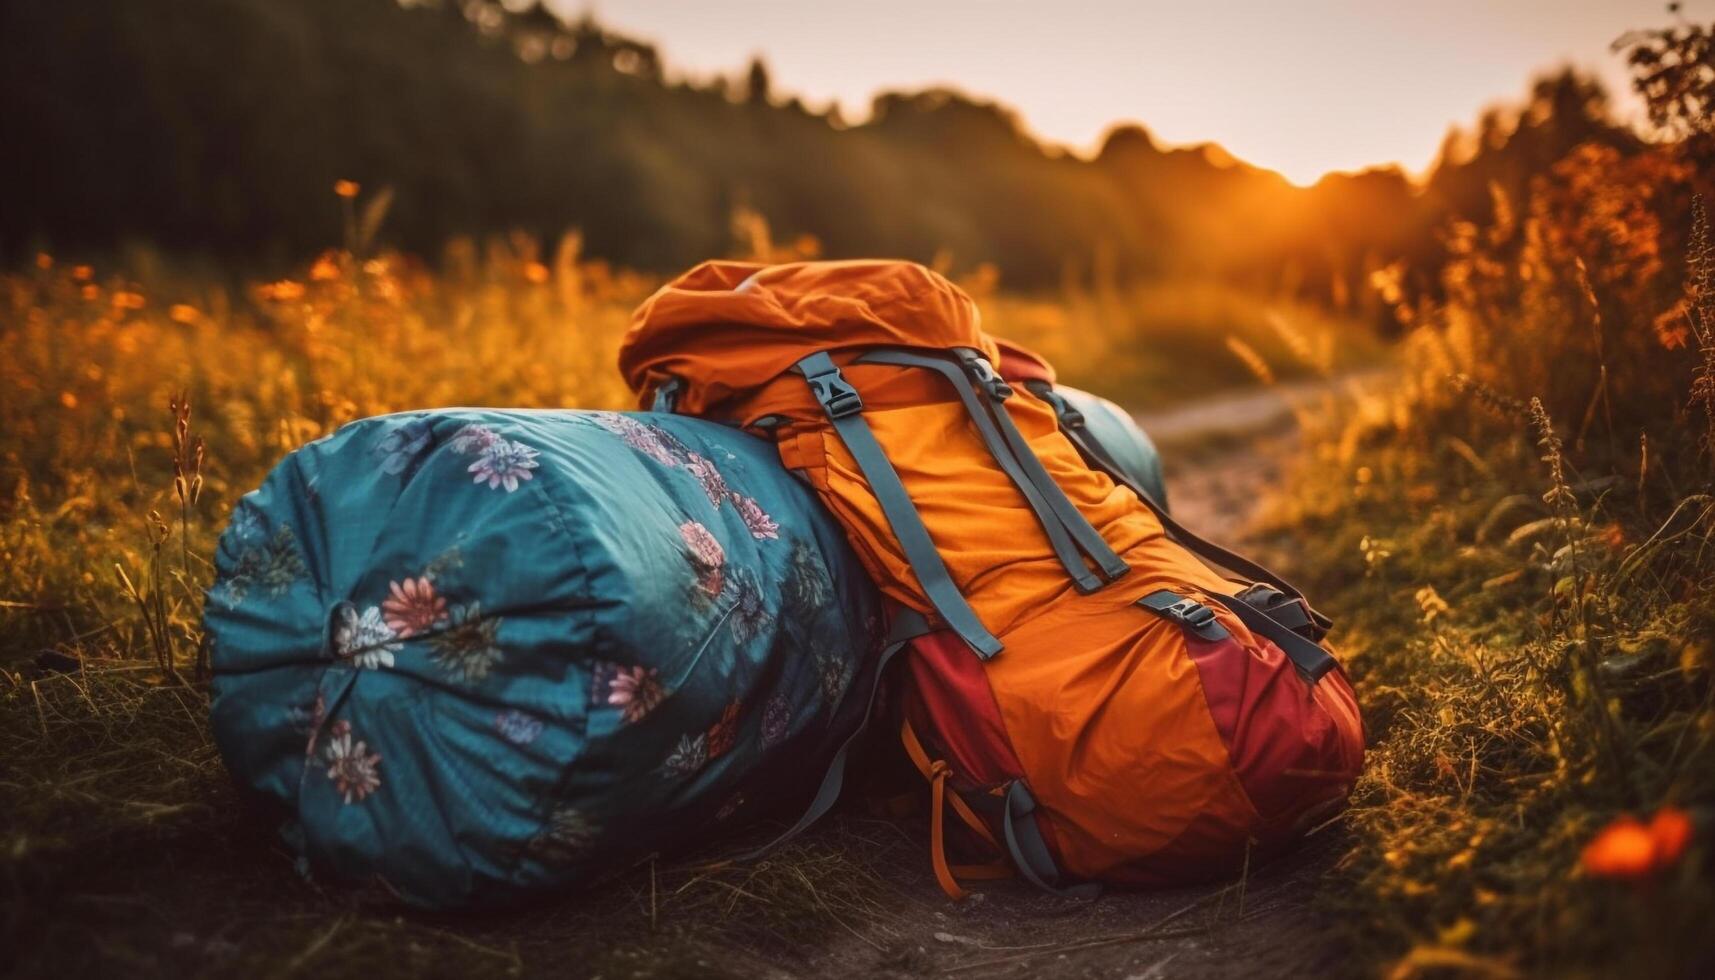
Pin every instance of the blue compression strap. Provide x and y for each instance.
(908, 624)
(1052, 521)
(1092, 543)
(844, 408)
(1029, 852)
(1072, 425)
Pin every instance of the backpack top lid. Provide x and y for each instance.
(771, 315)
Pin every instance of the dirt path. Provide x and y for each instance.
(1218, 453)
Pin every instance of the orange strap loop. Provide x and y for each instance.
(937, 842)
(920, 757)
(937, 772)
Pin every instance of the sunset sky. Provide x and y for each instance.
(1301, 87)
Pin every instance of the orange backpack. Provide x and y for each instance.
(1093, 701)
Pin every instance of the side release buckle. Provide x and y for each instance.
(978, 368)
(835, 394)
(1194, 616)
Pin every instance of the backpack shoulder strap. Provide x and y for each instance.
(1069, 533)
(1072, 424)
(844, 408)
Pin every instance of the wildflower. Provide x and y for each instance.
(413, 606)
(646, 439)
(689, 756)
(400, 447)
(355, 771)
(807, 588)
(44, 261)
(535, 273)
(635, 690)
(470, 646)
(714, 485)
(504, 463)
(284, 291)
(776, 720)
(836, 675)
(366, 640)
(750, 615)
(706, 556)
(325, 269)
(517, 727)
(721, 736)
(1630, 849)
(756, 519)
(182, 313)
(473, 439)
(346, 188)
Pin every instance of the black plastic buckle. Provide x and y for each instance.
(835, 394)
(1194, 616)
(1069, 416)
(1294, 614)
(983, 373)
(1191, 613)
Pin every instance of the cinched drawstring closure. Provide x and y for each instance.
(948, 875)
(328, 627)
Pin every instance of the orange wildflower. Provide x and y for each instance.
(182, 313)
(1629, 848)
(536, 273)
(325, 268)
(284, 291)
(1671, 829)
(44, 260)
(346, 188)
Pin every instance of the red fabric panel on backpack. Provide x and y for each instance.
(951, 704)
(1020, 363)
(1290, 754)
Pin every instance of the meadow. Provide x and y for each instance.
(1516, 534)
(1532, 640)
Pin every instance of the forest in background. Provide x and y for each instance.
(216, 127)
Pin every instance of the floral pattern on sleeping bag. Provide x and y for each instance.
(522, 690)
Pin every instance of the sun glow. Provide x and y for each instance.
(1299, 88)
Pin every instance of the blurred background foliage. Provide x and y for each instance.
(218, 125)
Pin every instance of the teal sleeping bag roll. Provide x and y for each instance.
(1130, 447)
(474, 654)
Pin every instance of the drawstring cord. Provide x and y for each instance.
(938, 772)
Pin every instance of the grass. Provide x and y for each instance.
(139, 404)
(1529, 607)
(1524, 587)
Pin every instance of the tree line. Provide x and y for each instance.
(220, 126)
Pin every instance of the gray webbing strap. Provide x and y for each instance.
(1311, 660)
(1092, 543)
(1195, 617)
(908, 624)
(844, 408)
(1052, 523)
(667, 394)
(1072, 424)
(1029, 851)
